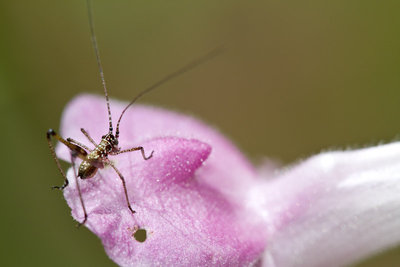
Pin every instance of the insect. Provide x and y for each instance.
(97, 158)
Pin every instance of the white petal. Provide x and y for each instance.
(333, 209)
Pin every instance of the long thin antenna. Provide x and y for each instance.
(96, 51)
(191, 65)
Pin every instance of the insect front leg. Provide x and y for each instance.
(76, 150)
(135, 149)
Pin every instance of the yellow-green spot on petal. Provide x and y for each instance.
(140, 235)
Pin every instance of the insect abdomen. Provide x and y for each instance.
(86, 170)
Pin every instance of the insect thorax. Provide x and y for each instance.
(95, 158)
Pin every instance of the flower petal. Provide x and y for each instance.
(187, 221)
(228, 170)
(333, 209)
(189, 197)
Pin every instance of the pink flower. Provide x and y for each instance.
(200, 202)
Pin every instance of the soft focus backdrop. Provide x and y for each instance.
(297, 77)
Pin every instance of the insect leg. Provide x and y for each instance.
(135, 149)
(123, 184)
(75, 149)
(88, 136)
(78, 144)
(79, 191)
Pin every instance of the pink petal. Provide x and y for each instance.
(333, 209)
(188, 197)
(142, 123)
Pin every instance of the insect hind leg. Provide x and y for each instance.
(76, 150)
(78, 144)
(51, 133)
(73, 157)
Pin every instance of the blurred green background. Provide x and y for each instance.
(297, 77)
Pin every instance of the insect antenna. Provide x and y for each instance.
(191, 65)
(96, 51)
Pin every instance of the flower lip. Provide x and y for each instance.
(188, 197)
